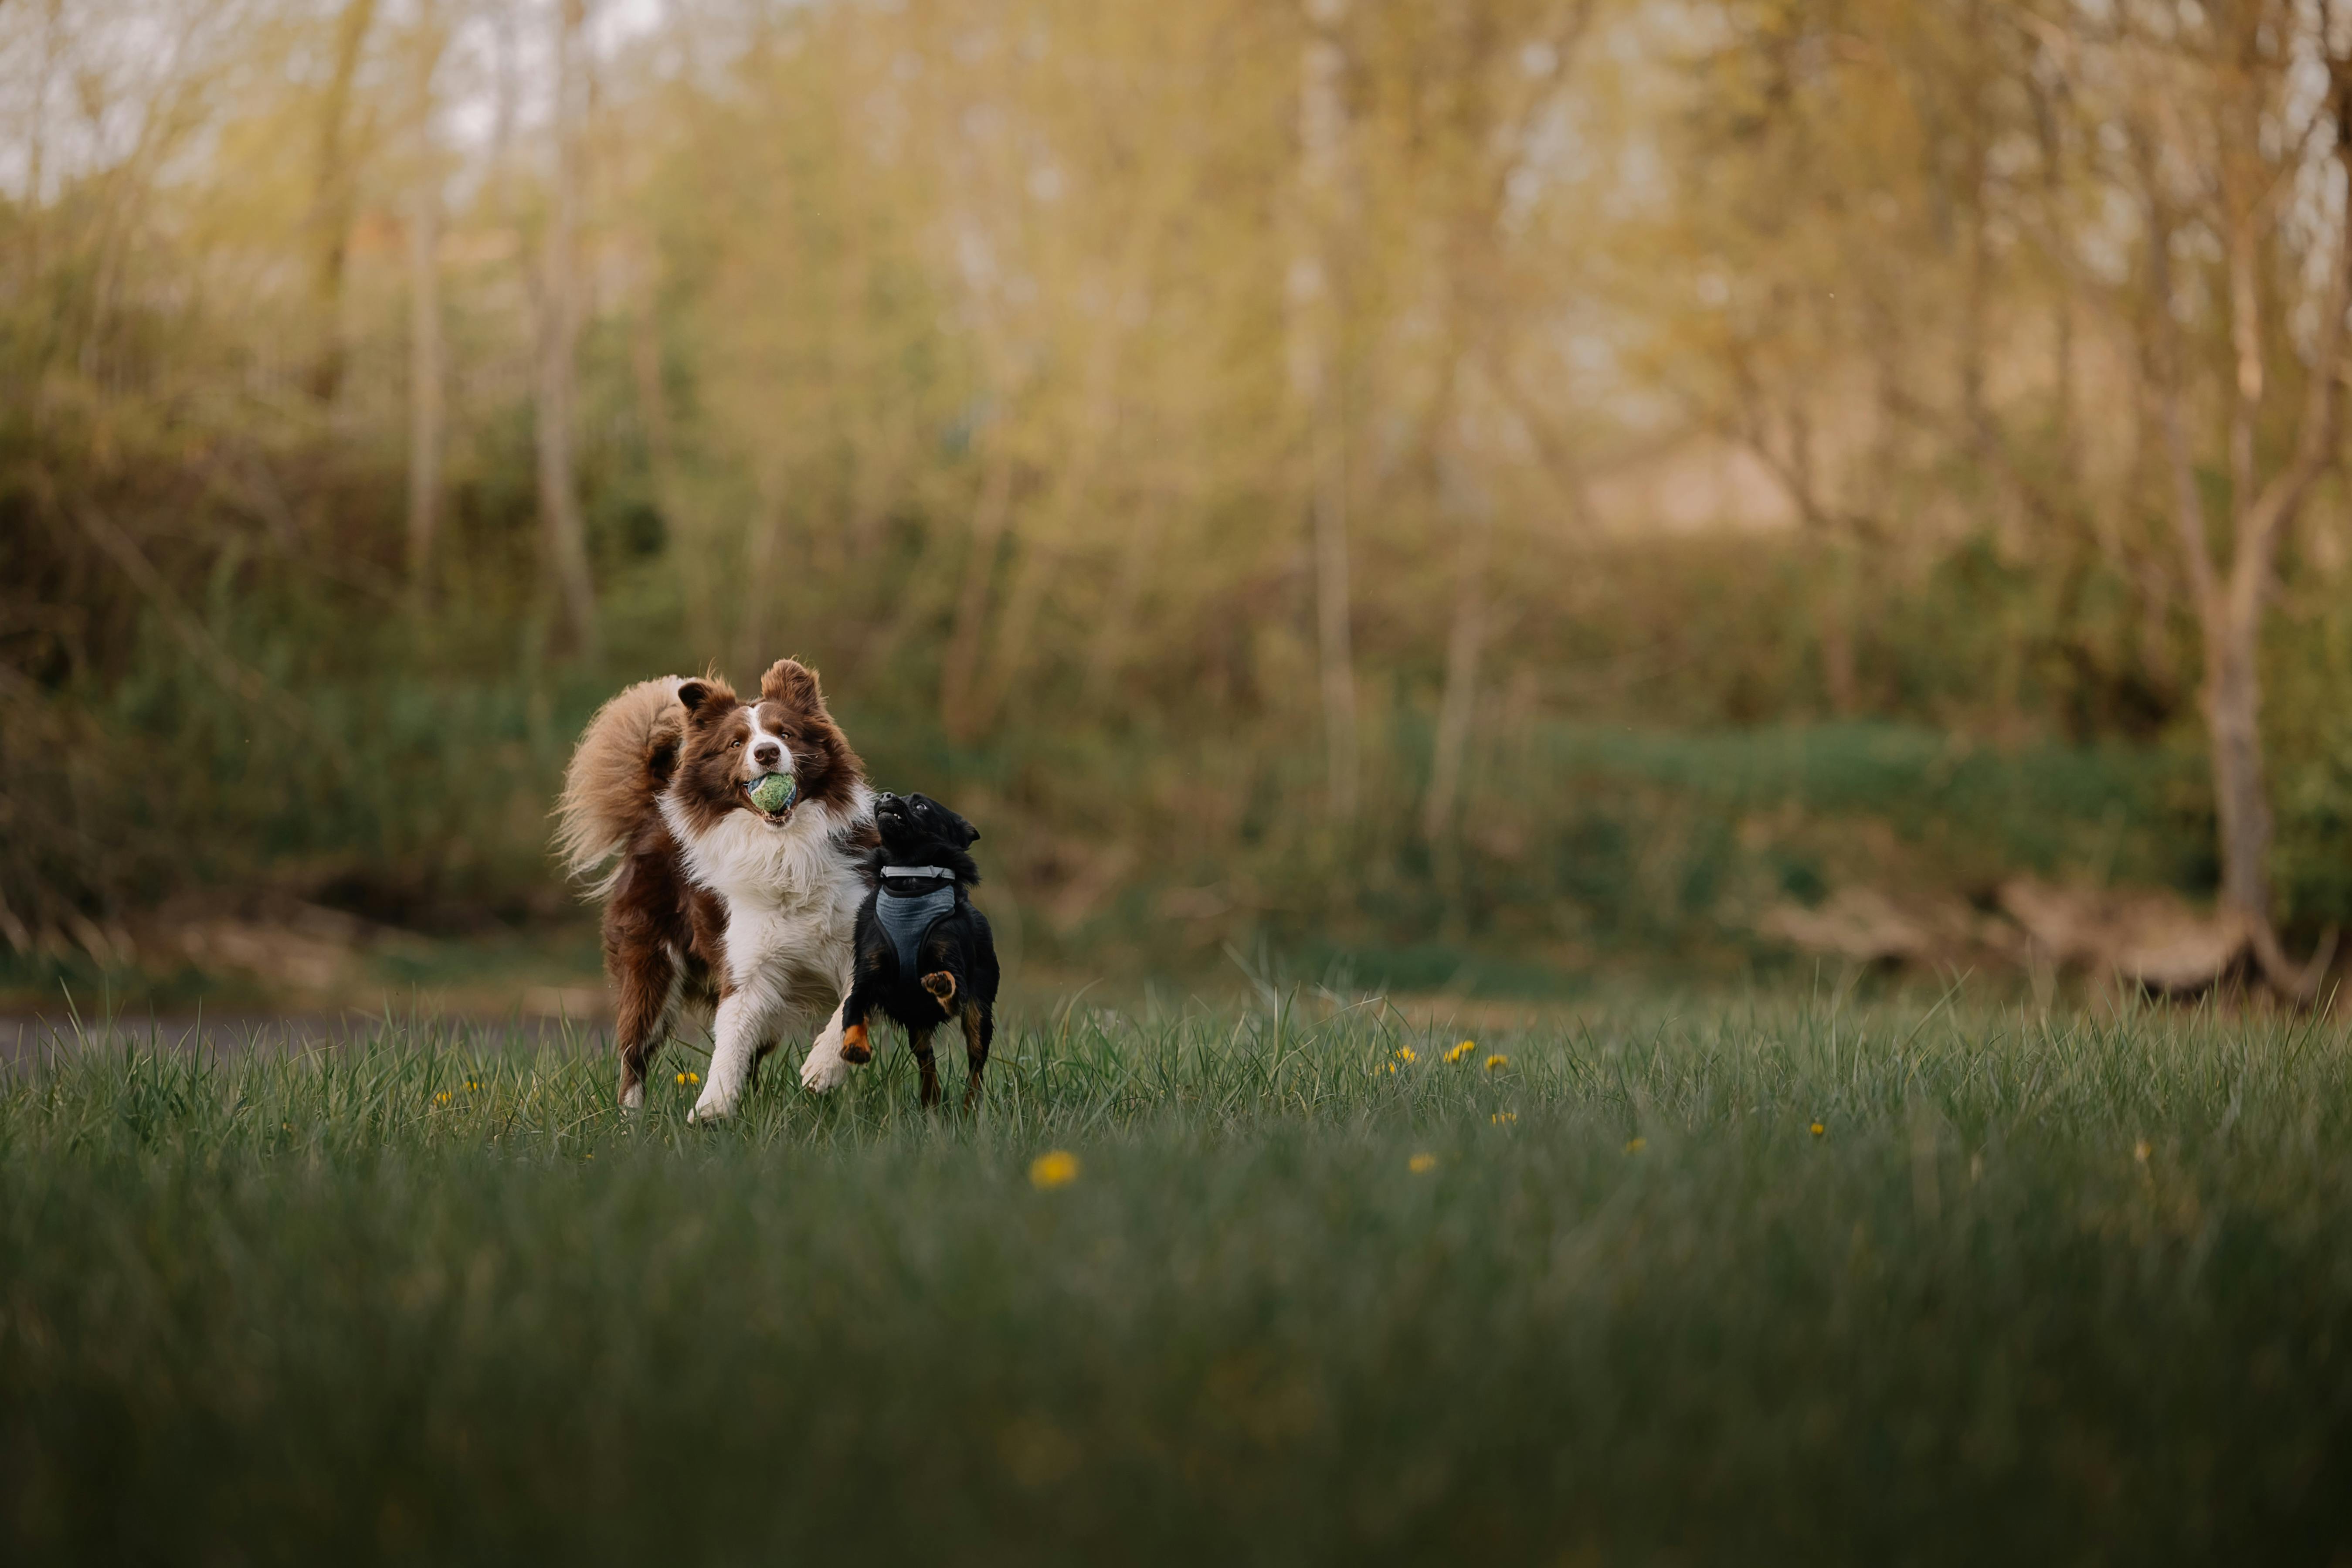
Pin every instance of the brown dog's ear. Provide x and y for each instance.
(794, 684)
(705, 695)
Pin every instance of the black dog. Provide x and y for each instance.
(924, 953)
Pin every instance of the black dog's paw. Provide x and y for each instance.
(942, 987)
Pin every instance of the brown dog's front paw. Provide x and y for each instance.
(855, 1046)
(942, 985)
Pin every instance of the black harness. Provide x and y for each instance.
(908, 917)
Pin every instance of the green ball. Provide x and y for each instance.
(774, 793)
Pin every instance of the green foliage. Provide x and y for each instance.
(2057, 1288)
(962, 367)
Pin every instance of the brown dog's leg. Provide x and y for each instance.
(940, 984)
(979, 1032)
(919, 1042)
(647, 980)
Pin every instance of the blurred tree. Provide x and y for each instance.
(558, 333)
(426, 374)
(2228, 144)
(336, 193)
(1314, 314)
(1504, 71)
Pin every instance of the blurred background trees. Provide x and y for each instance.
(1330, 472)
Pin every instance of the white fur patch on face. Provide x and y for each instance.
(752, 767)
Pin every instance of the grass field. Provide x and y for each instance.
(1760, 1281)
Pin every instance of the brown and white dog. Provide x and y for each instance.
(711, 899)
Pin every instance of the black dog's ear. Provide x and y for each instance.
(960, 825)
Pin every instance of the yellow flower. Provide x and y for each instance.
(1404, 1054)
(442, 1098)
(681, 1080)
(1497, 1063)
(1635, 1145)
(1421, 1165)
(1460, 1051)
(1390, 1066)
(2141, 1151)
(1502, 1116)
(693, 1077)
(1818, 1129)
(1054, 1168)
(472, 1085)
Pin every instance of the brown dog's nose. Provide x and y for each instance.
(767, 754)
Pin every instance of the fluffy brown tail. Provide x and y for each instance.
(610, 785)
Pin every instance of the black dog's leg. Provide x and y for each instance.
(979, 1033)
(943, 985)
(919, 1042)
(857, 1046)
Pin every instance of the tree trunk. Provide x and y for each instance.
(1466, 643)
(989, 516)
(36, 144)
(1114, 637)
(653, 412)
(559, 500)
(1314, 345)
(1333, 639)
(2232, 717)
(330, 210)
(2050, 138)
(426, 375)
(761, 548)
(1839, 610)
(1083, 455)
(1037, 544)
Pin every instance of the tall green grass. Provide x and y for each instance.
(2075, 1288)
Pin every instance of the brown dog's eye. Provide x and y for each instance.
(736, 744)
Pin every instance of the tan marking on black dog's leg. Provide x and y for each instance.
(919, 1042)
(855, 1045)
(978, 1031)
(940, 984)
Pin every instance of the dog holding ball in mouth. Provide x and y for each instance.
(727, 839)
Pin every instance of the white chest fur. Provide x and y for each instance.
(791, 892)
